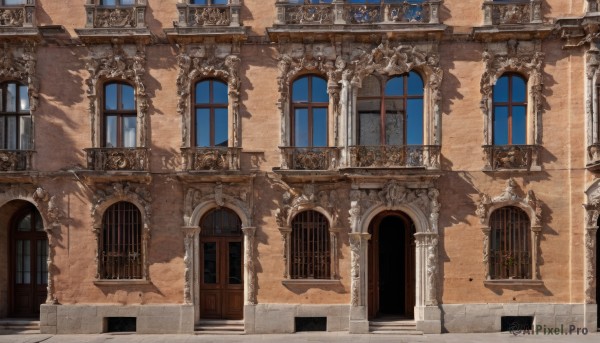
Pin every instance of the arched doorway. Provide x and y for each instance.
(391, 266)
(28, 267)
(221, 265)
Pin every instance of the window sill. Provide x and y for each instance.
(121, 282)
(513, 282)
(311, 282)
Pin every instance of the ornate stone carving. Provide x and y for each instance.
(511, 13)
(15, 160)
(188, 240)
(117, 159)
(309, 14)
(355, 251)
(522, 57)
(499, 157)
(208, 61)
(106, 64)
(209, 16)
(19, 63)
(592, 212)
(12, 16)
(198, 159)
(389, 156)
(115, 17)
(249, 234)
(432, 265)
(317, 158)
(363, 14)
(219, 194)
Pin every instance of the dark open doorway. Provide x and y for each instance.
(391, 266)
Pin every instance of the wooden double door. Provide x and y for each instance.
(391, 266)
(28, 272)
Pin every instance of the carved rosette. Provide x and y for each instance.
(19, 63)
(525, 58)
(113, 64)
(202, 61)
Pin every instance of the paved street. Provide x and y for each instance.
(297, 338)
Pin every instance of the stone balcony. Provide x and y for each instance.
(211, 159)
(511, 157)
(117, 159)
(18, 20)
(395, 156)
(15, 160)
(512, 12)
(120, 21)
(309, 158)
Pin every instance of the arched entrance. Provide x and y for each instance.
(391, 266)
(221, 265)
(28, 267)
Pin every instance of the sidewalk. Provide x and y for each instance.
(298, 338)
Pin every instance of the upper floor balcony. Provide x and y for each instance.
(15, 160)
(519, 18)
(105, 19)
(17, 18)
(396, 17)
(117, 159)
(211, 159)
(511, 157)
(395, 156)
(309, 158)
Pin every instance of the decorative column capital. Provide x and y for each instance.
(486, 229)
(285, 229)
(249, 231)
(536, 229)
(190, 230)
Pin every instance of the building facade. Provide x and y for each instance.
(269, 161)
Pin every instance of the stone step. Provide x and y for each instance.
(388, 328)
(397, 332)
(219, 327)
(394, 324)
(211, 332)
(19, 326)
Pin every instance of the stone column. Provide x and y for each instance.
(359, 322)
(250, 277)
(97, 231)
(51, 298)
(590, 264)
(338, 9)
(189, 232)
(285, 238)
(535, 232)
(486, 251)
(427, 311)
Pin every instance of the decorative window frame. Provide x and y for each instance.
(532, 207)
(117, 63)
(526, 59)
(137, 195)
(321, 199)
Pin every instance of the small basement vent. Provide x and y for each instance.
(311, 324)
(121, 324)
(516, 323)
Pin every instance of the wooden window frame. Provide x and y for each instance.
(5, 114)
(106, 245)
(509, 105)
(211, 106)
(119, 113)
(298, 232)
(309, 105)
(511, 233)
(382, 110)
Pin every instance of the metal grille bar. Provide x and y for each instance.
(510, 256)
(310, 255)
(121, 242)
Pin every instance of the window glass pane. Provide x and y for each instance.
(210, 262)
(111, 131)
(202, 92)
(12, 133)
(107, 2)
(501, 90)
(11, 97)
(127, 98)
(394, 122)
(199, 2)
(110, 96)
(39, 224)
(319, 90)
(221, 127)
(23, 99)
(519, 125)
(127, 2)
(25, 132)
(415, 84)
(25, 223)
(235, 263)
(2, 132)
(14, 2)
(370, 87)
(26, 262)
(369, 112)
(395, 86)
(319, 127)
(202, 127)
(219, 2)
(300, 90)
(19, 262)
(42, 263)
(519, 89)
(500, 125)
(414, 122)
(301, 127)
(129, 129)
(219, 92)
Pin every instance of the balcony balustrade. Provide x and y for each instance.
(309, 158)
(395, 156)
(511, 157)
(15, 160)
(117, 159)
(191, 15)
(120, 16)
(211, 159)
(22, 15)
(512, 12)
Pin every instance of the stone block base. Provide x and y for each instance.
(280, 318)
(92, 319)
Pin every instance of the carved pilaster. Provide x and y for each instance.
(590, 265)
(486, 251)
(97, 230)
(358, 246)
(249, 234)
(189, 232)
(427, 256)
(535, 242)
(285, 238)
(333, 242)
(51, 297)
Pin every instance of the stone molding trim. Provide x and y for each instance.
(592, 111)
(525, 58)
(189, 233)
(205, 61)
(201, 198)
(138, 195)
(509, 197)
(19, 63)
(592, 213)
(118, 62)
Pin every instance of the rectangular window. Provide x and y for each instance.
(301, 127)
(203, 127)
(129, 131)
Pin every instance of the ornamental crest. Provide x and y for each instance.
(138, 194)
(219, 193)
(507, 198)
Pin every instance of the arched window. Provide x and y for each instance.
(121, 253)
(211, 120)
(310, 247)
(15, 117)
(120, 116)
(390, 111)
(510, 244)
(310, 101)
(510, 110)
